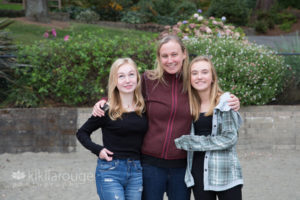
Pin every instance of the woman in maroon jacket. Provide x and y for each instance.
(165, 93)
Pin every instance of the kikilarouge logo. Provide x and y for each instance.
(18, 175)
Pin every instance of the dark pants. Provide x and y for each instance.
(157, 181)
(234, 193)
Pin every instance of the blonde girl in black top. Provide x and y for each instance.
(119, 171)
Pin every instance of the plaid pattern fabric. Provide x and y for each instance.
(222, 169)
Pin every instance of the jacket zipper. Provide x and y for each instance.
(171, 119)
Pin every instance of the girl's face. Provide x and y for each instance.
(127, 79)
(171, 57)
(201, 76)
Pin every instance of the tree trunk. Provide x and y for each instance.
(37, 10)
(264, 5)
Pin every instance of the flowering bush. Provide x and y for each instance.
(200, 27)
(251, 72)
(74, 72)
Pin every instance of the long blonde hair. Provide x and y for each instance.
(158, 71)
(115, 103)
(215, 92)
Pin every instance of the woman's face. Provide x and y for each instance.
(127, 79)
(171, 57)
(201, 76)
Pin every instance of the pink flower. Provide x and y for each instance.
(167, 27)
(208, 30)
(192, 25)
(54, 32)
(46, 35)
(202, 28)
(66, 38)
(179, 23)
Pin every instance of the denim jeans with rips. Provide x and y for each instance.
(119, 179)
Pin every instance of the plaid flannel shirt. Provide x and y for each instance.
(222, 168)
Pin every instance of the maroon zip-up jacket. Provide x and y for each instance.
(168, 115)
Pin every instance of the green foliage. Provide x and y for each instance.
(235, 11)
(184, 10)
(88, 16)
(6, 6)
(261, 26)
(289, 3)
(159, 11)
(133, 17)
(73, 11)
(251, 4)
(276, 16)
(251, 72)
(285, 17)
(6, 61)
(286, 26)
(75, 72)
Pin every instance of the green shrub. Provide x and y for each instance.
(289, 3)
(286, 26)
(12, 13)
(184, 10)
(73, 11)
(133, 17)
(284, 17)
(261, 26)
(74, 72)
(235, 11)
(251, 72)
(88, 16)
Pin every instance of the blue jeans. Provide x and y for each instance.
(159, 180)
(119, 179)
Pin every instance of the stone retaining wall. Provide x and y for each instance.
(38, 129)
(53, 129)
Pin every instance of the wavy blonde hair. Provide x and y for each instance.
(215, 92)
(158, 71)
(115, 103)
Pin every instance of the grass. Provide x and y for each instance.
(27, 33)
(10, 6)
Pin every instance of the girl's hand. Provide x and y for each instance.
(234, 102)
(106, 154)
(97, 111)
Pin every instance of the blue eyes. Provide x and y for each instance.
(131, 75)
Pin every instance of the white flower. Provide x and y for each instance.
(185, 38)
(223, 18)
(196, 15)
(200, 18)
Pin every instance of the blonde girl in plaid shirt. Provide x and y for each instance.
(221, 171)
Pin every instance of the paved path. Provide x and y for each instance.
(274, 41)
(45, 176)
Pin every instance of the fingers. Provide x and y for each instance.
(101, 103)
(105, 154)
(97, 111)
(234, 102)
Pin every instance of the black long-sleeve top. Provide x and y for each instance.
(124, 137)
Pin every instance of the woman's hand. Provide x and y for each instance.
(106, 154)
(97, 111)
(234, 102)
